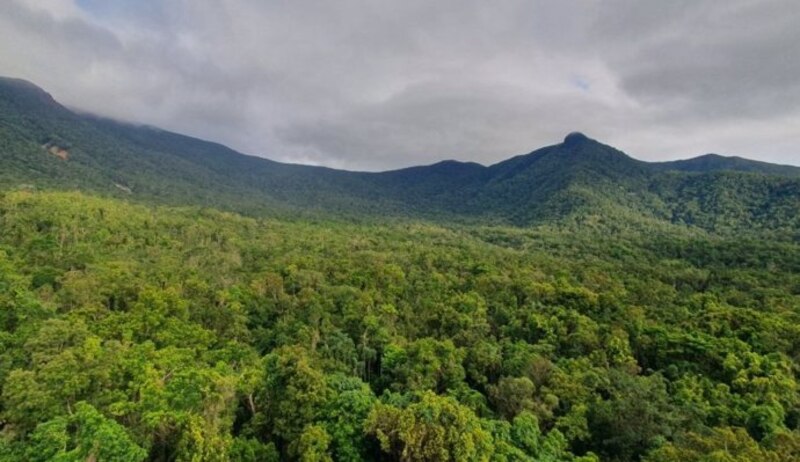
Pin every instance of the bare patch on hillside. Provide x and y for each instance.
(123, 188)
(56, 150)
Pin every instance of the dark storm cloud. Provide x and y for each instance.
(380, 84)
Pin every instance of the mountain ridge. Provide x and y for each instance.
(572, 139)
(577, 177)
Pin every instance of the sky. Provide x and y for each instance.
(376, 85)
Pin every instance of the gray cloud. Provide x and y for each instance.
(376, 84)
(738, 61)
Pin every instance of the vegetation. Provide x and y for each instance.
(44, 146)
(572, 304)
(134, 332)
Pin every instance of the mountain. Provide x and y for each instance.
(716, 162)
(45, 145)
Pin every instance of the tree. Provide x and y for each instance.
(512, 395)
(635, 418)
(729, 444)
(313, 445)
(83, 436)
(424, 364)
(433, 428)
(344, 416)
(294, 394)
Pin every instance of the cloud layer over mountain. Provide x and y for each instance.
(380, 84)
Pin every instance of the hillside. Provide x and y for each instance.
(44, 145)
(716, 162)
(572, 304)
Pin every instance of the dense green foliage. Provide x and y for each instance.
(645, 312)
(132, 333)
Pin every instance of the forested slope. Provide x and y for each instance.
(131, 333)
(46, 146)
(165, 298)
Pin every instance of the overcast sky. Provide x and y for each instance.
(371, 85)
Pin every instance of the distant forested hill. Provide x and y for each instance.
(44, 145)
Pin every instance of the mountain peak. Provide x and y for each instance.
(24, 92)
(575, 138)
(23, 86)
(19, 83)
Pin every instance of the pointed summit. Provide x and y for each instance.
(575, 138)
